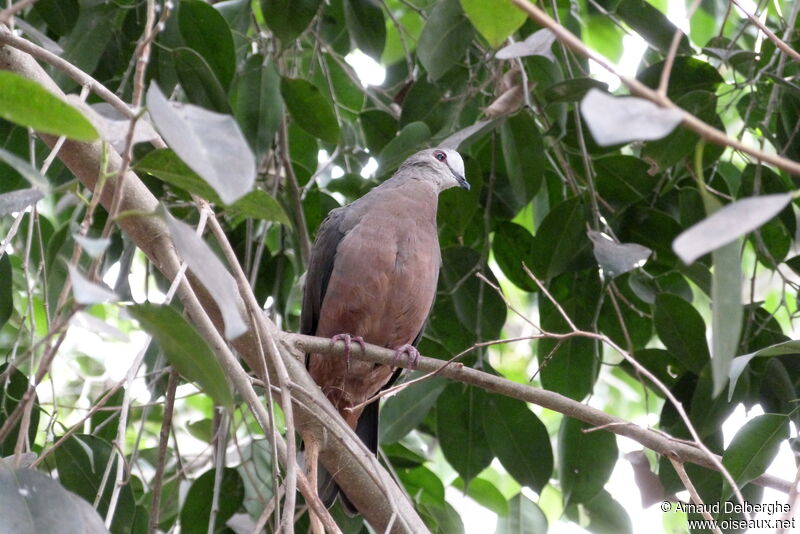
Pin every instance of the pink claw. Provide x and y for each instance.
(348, 343)
(411, 352)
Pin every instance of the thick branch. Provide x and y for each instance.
(656, 441)
(367, 484)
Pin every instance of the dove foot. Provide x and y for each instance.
(412, 355)
(348, 344)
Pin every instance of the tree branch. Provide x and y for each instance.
(367, 484)
(705, 130)
(657, 441)
(788, 50)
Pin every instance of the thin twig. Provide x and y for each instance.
(792, 501)
(654, 379)
(788, 50)
(13, 9)
(651, 439)
(163, 441)
(294, 192)
(673, 50)
(687, 483)
(271, 350)
(693, 123)
(82, 78)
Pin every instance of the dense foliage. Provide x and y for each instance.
(577, 195)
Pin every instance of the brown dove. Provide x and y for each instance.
(372, 278)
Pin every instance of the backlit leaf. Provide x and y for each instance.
(184, 348)
(25, 102)
(211, 144)
(615, 120)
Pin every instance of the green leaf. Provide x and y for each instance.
(617, 258)
(12, 389)
(442, 517)
(27, 103)
(523, 153)
(479, 308)
(310, 109)
(408, 141)
(6, 289)
(85, 44)
(31, 501)
(600, 33)
(445, 38)
(259, 204)
(403, 412)
(569, 366)
(682, 142)
(524, 517)
(18, 200)
(257, 474)
(458, 426)
(402, 36)
(484, 493)
(585, 460)
(59, 15)
(196, 511)
(707, 411)
(688, 74)
(682, 330)
(289, 18)
(512, 245)
(25, 169)
(652, 25)
(82, 461)
(185, 348)
(198, 22)
(239, 14)
(727, 224)
(753, 448)
(257, 103)
(365, 23)
(495, 20)
(379, 128)
(210, 143)
(519, 440)
(606, 515)
(201, 85)
(652, 228)
(402, 456)
(105, 423)
(739, 364)
(421, 104)
(167, 166)
(559, 239)
(619, 120)
(726, 311)
(202, 429)
(572, 90)
(423, 485)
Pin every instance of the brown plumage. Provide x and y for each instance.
(372, 275)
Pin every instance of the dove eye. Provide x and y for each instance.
(441, 156)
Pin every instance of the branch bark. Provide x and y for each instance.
(367, 484)
(659, 442)
(703, 129)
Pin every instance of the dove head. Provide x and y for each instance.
(441, 166)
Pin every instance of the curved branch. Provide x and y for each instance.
(659, 442)
(368, 485)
